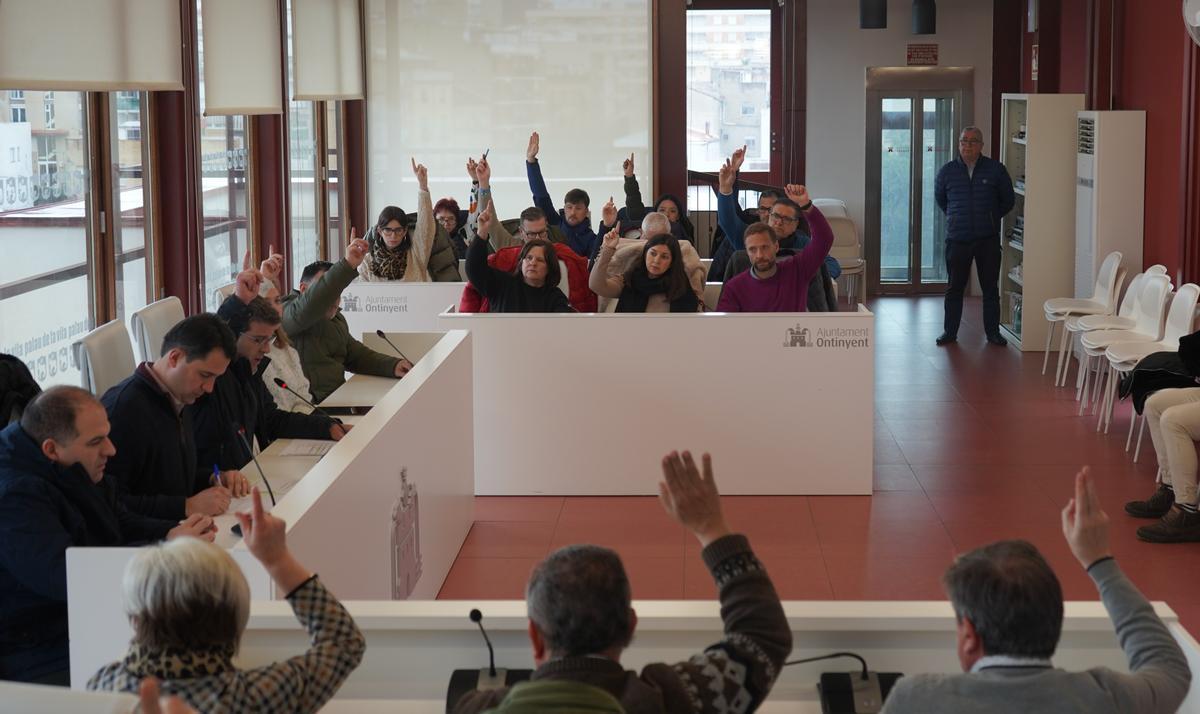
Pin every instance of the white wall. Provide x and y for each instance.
(838, 56)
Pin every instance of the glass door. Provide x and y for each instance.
(911, 136)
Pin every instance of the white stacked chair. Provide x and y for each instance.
(104, 356)
(1102, 302)
(151, 324)
(848, 251)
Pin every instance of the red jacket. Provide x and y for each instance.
(581, 296)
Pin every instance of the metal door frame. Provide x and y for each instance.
(918, 83)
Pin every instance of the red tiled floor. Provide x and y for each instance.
(972, 445)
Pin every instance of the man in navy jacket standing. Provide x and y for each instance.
(975, 192)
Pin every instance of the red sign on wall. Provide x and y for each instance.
(922, 55)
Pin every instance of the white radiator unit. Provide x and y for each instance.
(1110, 164)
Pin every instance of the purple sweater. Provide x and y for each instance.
(787, 289)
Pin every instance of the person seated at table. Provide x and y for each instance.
(240, 411)
(313, 322)
(667, 204)
(581, 619)
(420, 257)
(1174, 419)
(285, 360)
(630, 252)
(508, 249)
(1009, 607)
(452, 221)
(531, 287)
(574, 219)
(772, 285)
(188, 603)
(54, 495)
(658, 282)
(821, 297)
(155, 469)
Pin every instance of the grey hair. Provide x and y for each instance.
(655, 224)
(972, 130)
(579, 599)
(186, 593)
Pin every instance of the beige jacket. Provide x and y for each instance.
(417, 270)
(609, 282)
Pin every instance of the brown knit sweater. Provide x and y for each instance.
(734, 674)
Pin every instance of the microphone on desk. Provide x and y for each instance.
(283, 385)
(241, 435)
(464, 681)
(393, 346)
(861, 692)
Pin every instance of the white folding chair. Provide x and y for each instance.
(848, 251)
(1102, 302)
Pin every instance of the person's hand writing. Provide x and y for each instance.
(211, 501)
(402, 367)
(1084, 522)
(531, 151)
(627, 166)
(471, 167)
(194, 526)
(356, 251)
(422, 174)
(692, 499)
(485, 222)
(798, 193)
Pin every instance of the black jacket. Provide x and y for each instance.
(155, 466)
(240, 401)
(506, 292)
(45, 509)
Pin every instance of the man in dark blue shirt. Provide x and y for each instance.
(975, 192)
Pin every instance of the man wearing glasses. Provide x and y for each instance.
(774, 208)
(240, 410)
(975, 192)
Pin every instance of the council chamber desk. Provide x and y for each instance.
(581, 405)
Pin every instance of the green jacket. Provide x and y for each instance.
(327, 350)
(443, 261)
(551, 695)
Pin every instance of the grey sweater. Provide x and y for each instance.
(1158, 680)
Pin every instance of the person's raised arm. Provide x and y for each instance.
(635, 208)
(809, 260)
(1159, 674)
(728, 215)
(599, 280)
(537, 184)
(337, 645)
(313, 305)
(757, 634)
(426, 227)
(481, 275)
(498, 237)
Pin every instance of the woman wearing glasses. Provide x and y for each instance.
(420, 256)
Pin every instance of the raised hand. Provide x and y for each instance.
(608, 215)
(739, 156)
(356, 250)
(692, 499)
(272, 267)
(265, 537)
(196, 525)
(531, 151)
(484, 171)
(1084, 522)
(612, 239)
(485, 221)
(246, 259)
(248, 283)
(798, 193)
(471, 166)
(725, 178)
(422, 175)
(627, 166)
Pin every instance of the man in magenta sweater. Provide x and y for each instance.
(778, 286)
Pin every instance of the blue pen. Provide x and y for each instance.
(216, 476)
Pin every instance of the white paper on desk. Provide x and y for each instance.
(306, 447)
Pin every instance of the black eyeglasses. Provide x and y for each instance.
(785, 219)
(392, 231)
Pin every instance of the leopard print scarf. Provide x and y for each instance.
(174, 664)
(389, 263)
